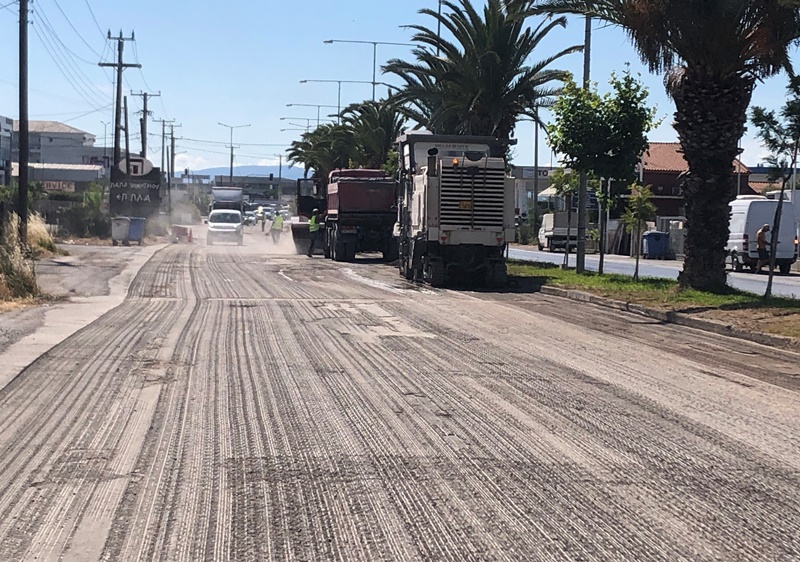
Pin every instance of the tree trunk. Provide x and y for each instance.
(710, 116)
(637, 242)
(569, 230)
(602, 219)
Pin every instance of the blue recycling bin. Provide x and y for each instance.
(136, 230)
(655, 245)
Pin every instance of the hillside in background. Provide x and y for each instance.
(286, 172)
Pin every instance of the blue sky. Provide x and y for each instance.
(241, 61)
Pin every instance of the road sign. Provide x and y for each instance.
(140, 198)
(139, 166)
(591, 201)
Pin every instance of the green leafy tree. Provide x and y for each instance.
(638, 211)
(712, 54)
(481, 81)
(780, 135)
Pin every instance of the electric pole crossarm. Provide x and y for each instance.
(145, 114)
(120, 65)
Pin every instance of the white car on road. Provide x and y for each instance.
(225, 225)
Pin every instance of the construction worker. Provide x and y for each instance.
(313, 230)
(262, 216)
(761, 245)
(276, 228)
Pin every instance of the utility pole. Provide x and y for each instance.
(580, 257)
(163, 147)
(145, 114)
(171, 168)
(119, 66)
(127, 145)
(24, 138)
(232, 127)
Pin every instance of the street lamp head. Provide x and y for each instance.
(303, 81)
(328, 41)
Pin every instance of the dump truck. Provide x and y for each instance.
(455, 209)
(311, 194)
(361, 212)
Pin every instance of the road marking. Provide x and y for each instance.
(282, 274)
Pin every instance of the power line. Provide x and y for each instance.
(47, 47)
(68, 56)
(63, 13)
(225, 143)
(96, 23)
(46, 22)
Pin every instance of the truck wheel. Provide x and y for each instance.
(435, 274)
(392, 251)
(351, 251)
(498, 276)
(785, 268)
(327, 244)
(339, 249)
(550, 247)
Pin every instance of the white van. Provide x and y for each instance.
(748, 214)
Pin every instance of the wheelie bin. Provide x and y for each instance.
(120, 230)
(136, 233)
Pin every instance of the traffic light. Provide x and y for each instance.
(271, 176)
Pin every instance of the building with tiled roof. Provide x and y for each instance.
(662, 167)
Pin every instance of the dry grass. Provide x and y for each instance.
(17, 275)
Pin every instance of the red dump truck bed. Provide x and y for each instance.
(361, 196)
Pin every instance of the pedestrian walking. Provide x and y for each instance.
(314, 231)
(761, 245)
(276, 228)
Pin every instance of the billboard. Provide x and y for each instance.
(141, 197)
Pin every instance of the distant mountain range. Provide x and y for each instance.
(286, 171)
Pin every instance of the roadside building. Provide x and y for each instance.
(662, 167)
(527, 189)
(6, 132)
(52, 142)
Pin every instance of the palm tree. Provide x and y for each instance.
(375, 126)
(482, 81)
(324, 149)
(712, 54)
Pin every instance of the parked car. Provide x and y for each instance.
(749, 213)
(225, 225)
(249, 218)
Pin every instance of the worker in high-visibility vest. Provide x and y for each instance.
(276, 228)
(313, 230)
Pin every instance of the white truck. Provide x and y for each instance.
(749, 213)
(455, 209)
(554, 232)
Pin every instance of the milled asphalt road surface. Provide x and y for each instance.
(244, 405)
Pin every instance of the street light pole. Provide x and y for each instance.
(374, 54)
(310, 105)
(232, 127)
(339, 82)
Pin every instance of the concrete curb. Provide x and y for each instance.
(677, 318)
(66, 319)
